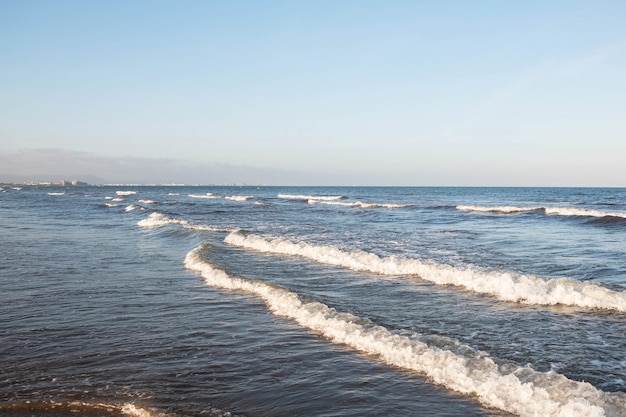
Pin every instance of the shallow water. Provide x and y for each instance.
(170, 301)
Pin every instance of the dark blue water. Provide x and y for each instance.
(312, 301)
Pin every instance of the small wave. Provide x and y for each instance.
(133, 207)
(148, 201)
(498, 209)
(55, 408)
(160, 220)
(110, 205)
(523, 391)
(359, 204)
(239, 197)
(566, 211)
(207, 195)
(124, 193)
(555, 211)
(56, 193)
(506, 286)
(311, 197)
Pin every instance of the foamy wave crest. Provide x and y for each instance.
(126, 192)
(148, 201)
(207, 195)
(566, 211)
(556, 211)
(310, 197)
(524, 391)
(160, 220)
(507, 286)
(133, 207)
(239, 197)
(56, 193)
(498, 209)
(358, 204)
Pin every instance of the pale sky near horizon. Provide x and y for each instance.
(316, 92)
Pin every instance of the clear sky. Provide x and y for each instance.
(315, 92)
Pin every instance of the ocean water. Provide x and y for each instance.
(312, 301)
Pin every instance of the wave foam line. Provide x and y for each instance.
(160, 220)
(525, 391)
(82, 408)
(558, 211)
(311, 197)
(358, 204)
(239, 197)
(507, 286)
(207, 195)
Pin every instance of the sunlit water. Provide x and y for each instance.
(268, 301)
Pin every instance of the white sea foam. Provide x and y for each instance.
(239, 197)
(133, 207)
(507, 286)
(310, 197)
(110, 205)
(148, 201)
(207, 195)
(56, 193)
(126, 192)
(556, 211)
(358, 204)
(117, 199)
(160, 220)
(524, 391)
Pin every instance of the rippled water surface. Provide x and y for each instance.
(270, 301)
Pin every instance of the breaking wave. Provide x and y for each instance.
(239, 197)
(126, 192)
(555, 211)
(207, 195)
(506, 286)
(311, 197)
(358, 204)
(160, 220)
(512, 388)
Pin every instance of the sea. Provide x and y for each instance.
(180, 301)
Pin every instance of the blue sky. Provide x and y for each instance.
(315, 92)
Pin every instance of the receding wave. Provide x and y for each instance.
(358, 204)
(556, 211)
(515, 389)
(160, 220)
(310, 197)
(507, 286)
(55, 408)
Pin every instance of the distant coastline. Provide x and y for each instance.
(61, 183)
